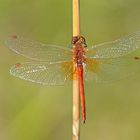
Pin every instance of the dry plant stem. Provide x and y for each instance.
(76, 98)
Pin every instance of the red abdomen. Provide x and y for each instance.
(81, 90)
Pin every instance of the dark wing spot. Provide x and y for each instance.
(14, 37)
(17, 65)
(137, 58)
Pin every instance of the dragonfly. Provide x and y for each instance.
(53, 64)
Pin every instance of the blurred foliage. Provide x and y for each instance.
(33, 112)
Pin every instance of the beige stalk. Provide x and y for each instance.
(76, 98)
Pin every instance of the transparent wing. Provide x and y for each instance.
(107, 70)
(38, 51)
(43, 73)
(115, 48)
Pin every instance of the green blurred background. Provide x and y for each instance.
(30, 111)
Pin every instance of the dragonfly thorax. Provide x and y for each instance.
(79, 49)
(79, 54)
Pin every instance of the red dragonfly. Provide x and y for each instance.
(53, 65)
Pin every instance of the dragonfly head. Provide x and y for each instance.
(79, 40)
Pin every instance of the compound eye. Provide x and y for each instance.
(85, 45)
(83, 41)
(75, 39)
